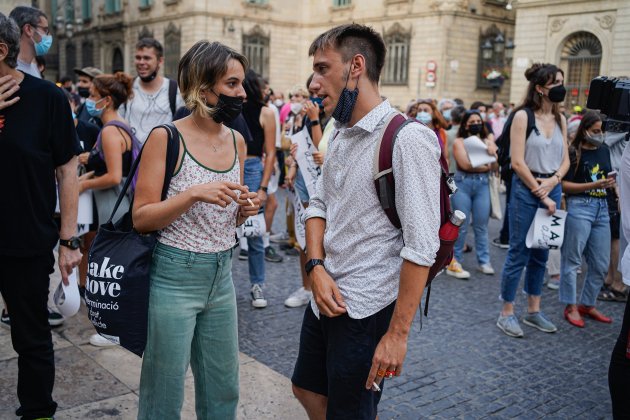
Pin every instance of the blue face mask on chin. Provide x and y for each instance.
(424, 117)
(90, 107)
(42, 47)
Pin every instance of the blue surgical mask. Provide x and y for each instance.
(42, 47)
(447, 115)
(90, 107)
(74, 116)
(345, 105)
(424, 117)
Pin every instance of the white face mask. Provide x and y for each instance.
(278, 103)
(296, 107)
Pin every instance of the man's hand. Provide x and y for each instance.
(388, 356)
(326, 293)
(8, 86)
(68, 259)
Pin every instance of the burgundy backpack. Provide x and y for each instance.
(386, 191)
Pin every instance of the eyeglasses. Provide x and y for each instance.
(43, 28)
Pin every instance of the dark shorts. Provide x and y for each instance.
(335, 358)
(615, 216)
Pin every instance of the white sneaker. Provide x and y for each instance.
(258, 299)
(100, 341)
(454, 269)
(486, 269)
(298, 298)
(279, 238)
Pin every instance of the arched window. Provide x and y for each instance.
(256, 49)
(397, 57)
(172, 50)
(71, 58)
(581, 59)
(118, 63)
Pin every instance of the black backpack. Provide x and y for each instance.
(503, 141)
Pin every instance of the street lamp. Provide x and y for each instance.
(509, 50)
(499, 43)
(65, 23)
(486, 49)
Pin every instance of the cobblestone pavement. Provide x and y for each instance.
(459, 364)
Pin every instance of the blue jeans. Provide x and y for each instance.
(256, 251)
(473, 197)
(192, 320)
(522, 209)
(587, 231)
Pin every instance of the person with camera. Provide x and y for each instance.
(587, 228)
(539, 163)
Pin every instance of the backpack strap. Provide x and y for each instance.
(531, 123)
(172, 96)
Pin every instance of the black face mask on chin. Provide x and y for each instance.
(227, 108)
(150, 77)
(346, 102)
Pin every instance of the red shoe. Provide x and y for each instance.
(575, 322)
(591, 312)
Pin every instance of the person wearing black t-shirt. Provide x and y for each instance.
(39, 145)
(587, 230)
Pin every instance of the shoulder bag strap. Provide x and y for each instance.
(172, 95)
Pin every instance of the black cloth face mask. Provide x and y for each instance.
(227, 108)
(150, 77)
(84, 92)
(475, 129)
(557, 93)
(347, 100)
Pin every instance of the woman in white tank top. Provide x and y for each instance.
(192, 304)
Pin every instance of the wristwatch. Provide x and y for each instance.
(314, 123)
(264, 189)
(308, 267)
(72, 243)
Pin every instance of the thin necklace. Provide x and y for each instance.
(215, 149)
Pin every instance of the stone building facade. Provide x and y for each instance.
(586, 38)
(434, 46)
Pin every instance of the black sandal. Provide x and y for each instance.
(606, 294)
(618, 296)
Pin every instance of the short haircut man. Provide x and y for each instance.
(39, 147)
(33, 24)
(357, 314)
(156, 98)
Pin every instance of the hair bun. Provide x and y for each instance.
(531, 72)
(126, 80)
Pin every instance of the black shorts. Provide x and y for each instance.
(335, 359)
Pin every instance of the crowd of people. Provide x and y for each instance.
(238, 148)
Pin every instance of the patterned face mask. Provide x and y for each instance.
(347, 100)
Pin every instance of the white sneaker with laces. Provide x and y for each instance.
(100, 341)
(486, 269)
(454, 269)
(258, 299)
(298, 298)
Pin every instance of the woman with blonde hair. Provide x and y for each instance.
(192, 304)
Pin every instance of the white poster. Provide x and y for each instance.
(310, 170)
(298, 214)
(253, 226)
(477, 152)
(546, 231)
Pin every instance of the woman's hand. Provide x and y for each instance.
(249, 204)
(83, 178)
(289, 178)
(545, 186)
(550, 204)
(83, 158)
(605, 183)
(294, 149)
(221, 193)
(318, 158)
(312, 110)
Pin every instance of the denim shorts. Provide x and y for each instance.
(335, 358)
(300, 187)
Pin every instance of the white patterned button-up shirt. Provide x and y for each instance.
(364, 251)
